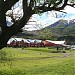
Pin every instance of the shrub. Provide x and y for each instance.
(58, 51)
(3, 55)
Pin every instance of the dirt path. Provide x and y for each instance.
(39, 58)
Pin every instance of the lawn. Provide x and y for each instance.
(36, 61)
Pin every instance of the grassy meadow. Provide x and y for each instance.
(36, 61)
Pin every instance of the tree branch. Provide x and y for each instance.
(6, 5)
(72, 5)
(44, 9)
(3, 23)
(60, 1)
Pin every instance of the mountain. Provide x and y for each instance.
(62, 23)
(63, 27)
(59, 28)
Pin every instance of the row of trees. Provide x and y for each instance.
(30, 7)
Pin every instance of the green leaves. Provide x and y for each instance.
(1, 2)
(72, 1)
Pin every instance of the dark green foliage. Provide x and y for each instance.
(2, 55)
(70, 30)
(58, 51)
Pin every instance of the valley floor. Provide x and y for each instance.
(36, 61)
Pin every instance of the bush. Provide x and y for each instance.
(64, 51)
(3, 55)
(58, 51)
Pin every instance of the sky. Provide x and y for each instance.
(45, 19)
(48, 18)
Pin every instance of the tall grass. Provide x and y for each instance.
(35, 62)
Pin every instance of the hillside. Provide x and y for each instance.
(63, 27)
(59, 28)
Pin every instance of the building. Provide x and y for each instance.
(49, 43)
(17, 42)
(21, 42)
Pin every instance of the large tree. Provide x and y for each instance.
(30, 7)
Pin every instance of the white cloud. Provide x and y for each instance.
(50, 17)
(46, 18)
(69, 9)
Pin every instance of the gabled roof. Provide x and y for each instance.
(56, 42)
(17, 39)
(38, 41)
(25, 40)
(30, 40)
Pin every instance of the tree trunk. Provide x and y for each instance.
(14, 29)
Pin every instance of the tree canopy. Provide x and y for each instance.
(29, 7)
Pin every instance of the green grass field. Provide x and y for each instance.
(36, 61)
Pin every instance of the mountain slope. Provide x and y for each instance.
(62, 27)
(59, 28)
